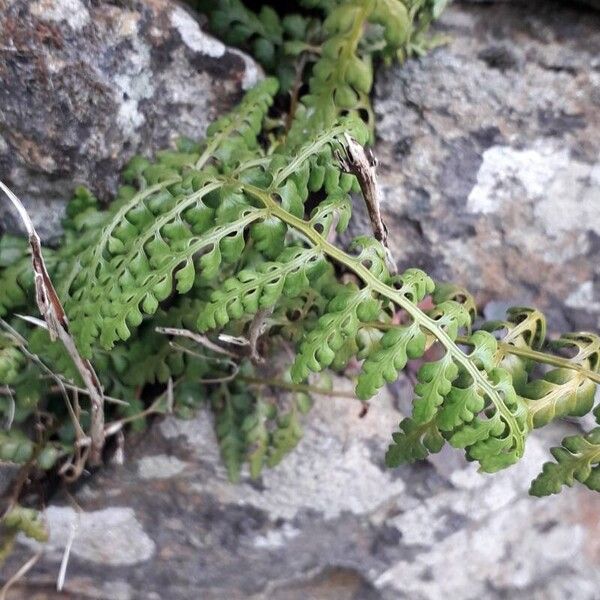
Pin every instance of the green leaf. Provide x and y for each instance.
(413, 442)
(564, 392)
(578, 459)
(341, 322)
(253, 290)
(396, 347)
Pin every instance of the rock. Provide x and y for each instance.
(86, 85)
(330, 523)
(481, 143)
(490, 157)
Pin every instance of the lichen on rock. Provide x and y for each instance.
(85, 86)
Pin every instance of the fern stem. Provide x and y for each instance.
(296, 387)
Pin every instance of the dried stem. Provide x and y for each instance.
(258, 326)
(363, 165)
(196, 337)
(20, 574)
(58, 326)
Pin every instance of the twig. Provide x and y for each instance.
(225, 378)
(190, 352)
(297, 387)
(196, 337)
(257, 327)
(75, 388)
(20, 573)
(11, 414)
(236, 340)
(363, 165)
(58, 326)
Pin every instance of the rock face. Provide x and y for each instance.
(329, 523)
(490, 164)
(490, 152)
(86, 85)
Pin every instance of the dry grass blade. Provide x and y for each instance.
(58, 327)
(196, 337)
(19, 574)
(62, 573)
(258, 326)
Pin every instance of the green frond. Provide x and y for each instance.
(578, 459)
(148, 259)
(233, 138)
(434, 384)
(257, 436)
(253, 290)
(564, 392)
(414, 285)
(523, 328)
(231, 410)
(12, 360)
(414, 441)
(19, 519)
(208, 234)
(343, 318)
(285, 437)
(383, 366)
(15, 447)
(449, 291)
(26, 520)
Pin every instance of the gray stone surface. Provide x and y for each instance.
(86, 85)
(329, 523)
(490, 157)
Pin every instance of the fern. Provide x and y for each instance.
(234, 240)
(19, 519)
(563, 391)
(577, 459)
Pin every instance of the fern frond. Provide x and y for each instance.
(27, 520)
(253, 290)
(342, 320)
(156, 235)
(274, 41)
(414, 441)
(233, 138)
(578, 459)
(342, 78)
(231, 411)
(498, 439)
(565, 392)
(15, 447)
(19, 519)
(285, 437)
(11, 360)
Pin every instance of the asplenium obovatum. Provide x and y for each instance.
(335, 54)
(465, 396)
(216, 236)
